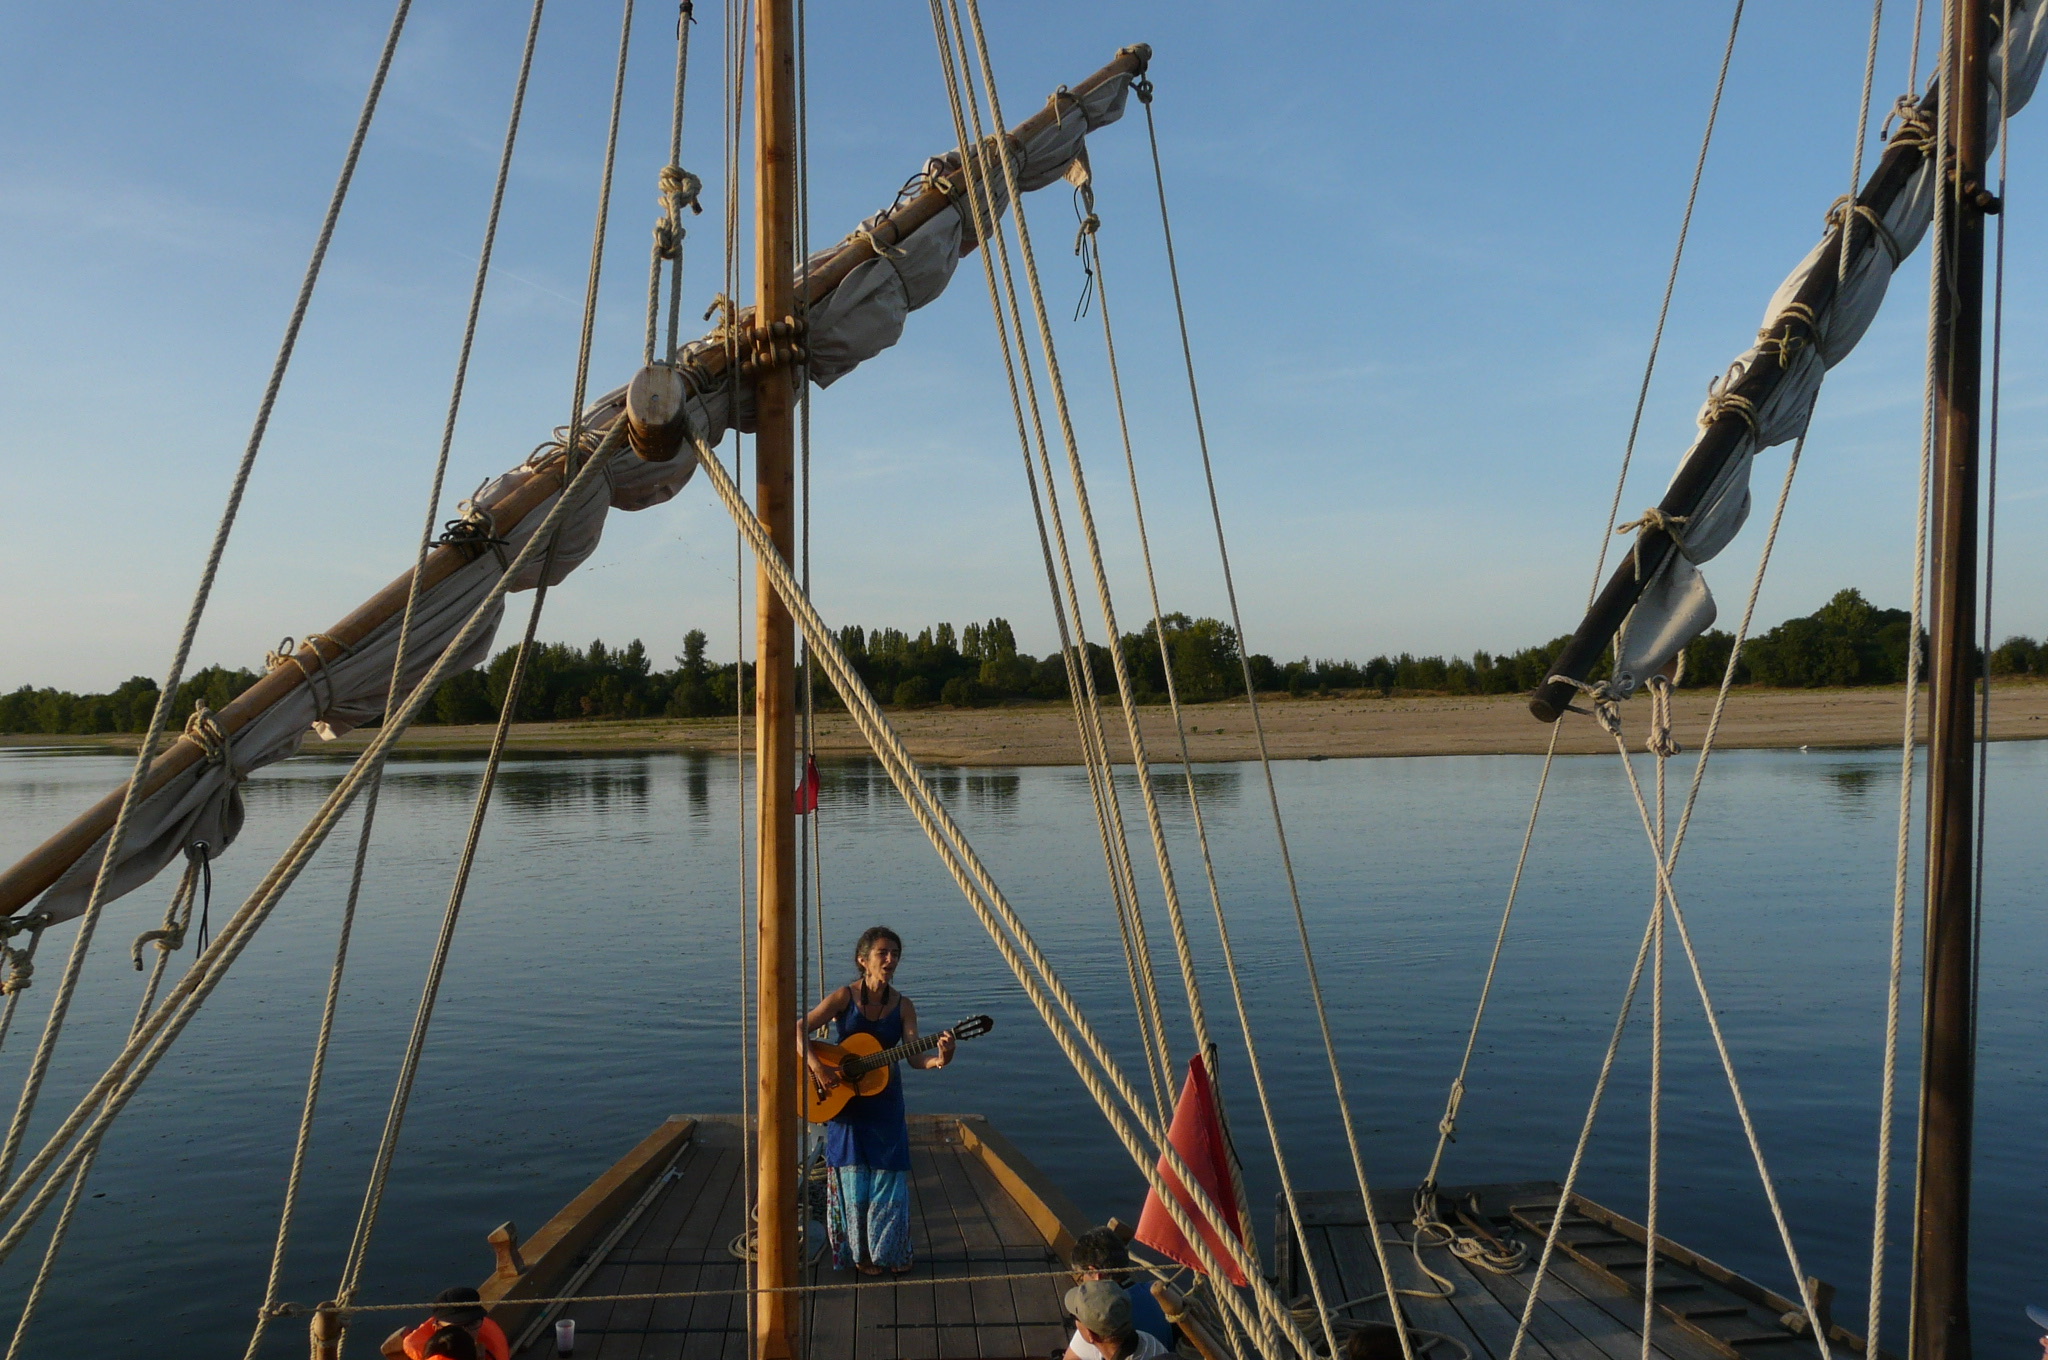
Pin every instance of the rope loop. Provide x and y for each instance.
(1723, 402)
(1606, 708)
(170, 939)
(1661, 743)
(1916, 129)
(1448, 1125)
(474, 528)
(1653, 518)
(1841, 217)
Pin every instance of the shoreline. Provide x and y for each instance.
(1296, 729)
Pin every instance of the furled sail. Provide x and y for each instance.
(859, 293)
(1807, 330)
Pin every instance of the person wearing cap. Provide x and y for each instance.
(459, 1309)
(1100, 1254)
(2039, 1317)
(1102, 1323)
(452, 1343)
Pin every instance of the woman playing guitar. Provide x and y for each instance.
(867, 1145)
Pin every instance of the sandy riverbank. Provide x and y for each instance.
(1296, 729)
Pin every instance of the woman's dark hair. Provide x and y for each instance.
(1100, 1249)
(873, 935)
(453, 1343)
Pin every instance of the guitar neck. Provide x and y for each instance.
(909, 1048)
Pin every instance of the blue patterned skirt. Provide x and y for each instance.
(867, 1216)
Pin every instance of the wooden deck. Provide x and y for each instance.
(1591, 1303)
(977, 1209)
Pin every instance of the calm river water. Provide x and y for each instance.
(594, 988)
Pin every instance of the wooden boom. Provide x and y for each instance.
(1901, 161)
(43, 866)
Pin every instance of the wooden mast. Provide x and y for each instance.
(1941, 1218)
(770, 348)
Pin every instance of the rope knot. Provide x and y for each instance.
(1661, 743)
(1916, 129)
(1606, 708)
(1448, 1125)
(283, 655)
(204, 728)
(1723, 402)
(1142, 87)
(474, 528)
(1842, 215)
(170, 939)
(21, 969)
(1653, 518)
(1792, 329)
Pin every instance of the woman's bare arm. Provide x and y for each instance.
(935, 1059)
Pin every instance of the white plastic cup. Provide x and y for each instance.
(565, 1337)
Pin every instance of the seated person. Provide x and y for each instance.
(1102, 1324)
(460, 1308)
(1099, 1254)
(452, 1343)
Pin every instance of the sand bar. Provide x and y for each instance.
(1296, 729)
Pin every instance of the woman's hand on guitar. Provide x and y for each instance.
(946, 1043)
(825, 1074)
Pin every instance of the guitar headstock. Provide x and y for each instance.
(974, 1026)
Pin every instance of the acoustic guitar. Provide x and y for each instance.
(864, 1065)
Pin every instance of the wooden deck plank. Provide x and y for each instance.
(1565, 1323)
(917, 1305)
(1036, 1297)
(1626, 1310)
(952, 1304)
(1358, 1269)
(668, 1242)
(717, 1323)
(995, 1307)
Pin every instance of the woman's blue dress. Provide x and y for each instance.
(868, 1148)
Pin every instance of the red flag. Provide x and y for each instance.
(1197, 1135)
(807, 788)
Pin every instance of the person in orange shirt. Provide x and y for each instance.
(460, 1307)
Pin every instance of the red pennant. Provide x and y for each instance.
(807, 789)
(1197, 1135)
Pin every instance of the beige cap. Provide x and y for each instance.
(1101, 1306)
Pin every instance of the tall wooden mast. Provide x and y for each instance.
(1941, 1219)
(770, 349)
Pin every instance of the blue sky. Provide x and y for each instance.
(1424, 247)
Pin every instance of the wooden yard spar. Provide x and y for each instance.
(23, 882)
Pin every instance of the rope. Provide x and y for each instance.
(1862, 130)
(1060, 579)
(401, 1098)
(1181, 943)
(1252, 702)
(177, 916)
(1937, 266)
(317, 1074)
(679, 190)
(1692, 195)
(1098, 1070)
(60, 1005)
(131, 1067)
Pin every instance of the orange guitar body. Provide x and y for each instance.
(822, 1107)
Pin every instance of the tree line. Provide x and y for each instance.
(1847, 641)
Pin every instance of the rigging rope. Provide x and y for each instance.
(1325, 1313)
(131, 1067)
(167, 697)
(316, 1076)
(1252, 702)
(177, 918)
(1060, 578)
(1097, 1068)
(401, 1099)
